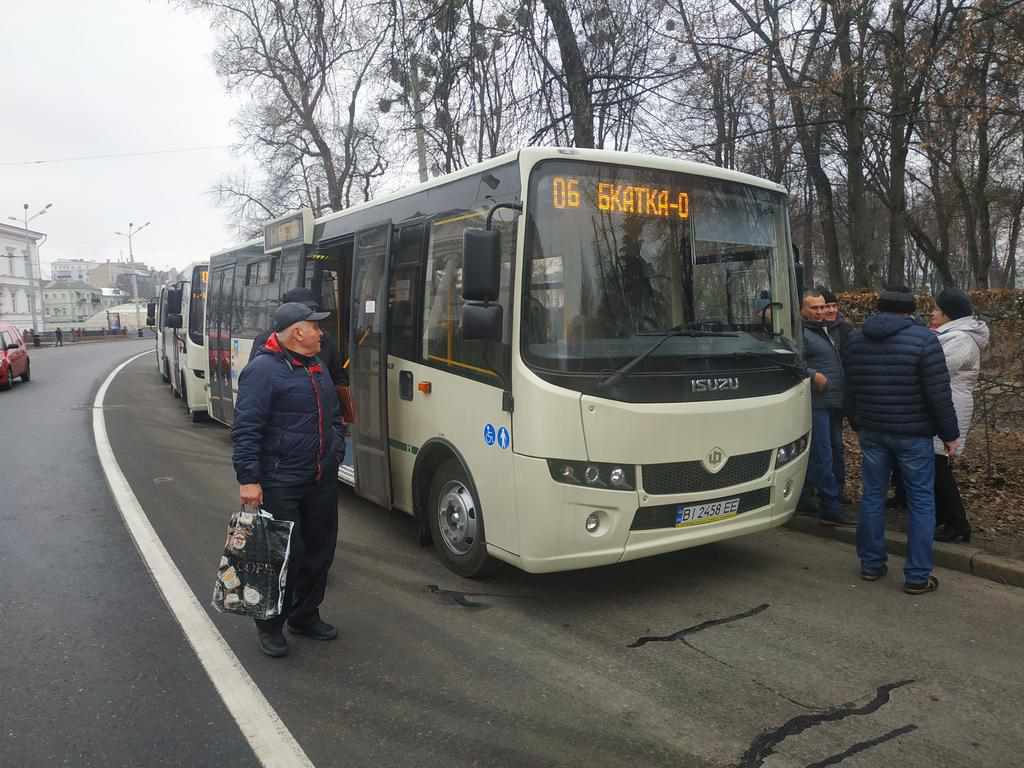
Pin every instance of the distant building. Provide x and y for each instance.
(69, 303)
(136, 280)
(73, 269)
(21, 294)
(112, 296)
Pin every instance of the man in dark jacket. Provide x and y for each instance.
(839, 330)
(898, 386)
(288, 443)
(825, 369)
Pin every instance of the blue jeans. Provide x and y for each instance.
(820, 473)
(838, 451)
(916, 460)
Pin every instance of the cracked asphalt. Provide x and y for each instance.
(764, 651)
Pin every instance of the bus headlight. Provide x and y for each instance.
(593, 474)
(787, 453)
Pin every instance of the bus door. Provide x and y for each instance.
(368, 357)
(178, 334)
(222, 281)
(332, 285)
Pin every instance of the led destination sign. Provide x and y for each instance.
(293, 229)
(635, 199)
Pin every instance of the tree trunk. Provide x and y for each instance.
(853, 119)
(577, 81)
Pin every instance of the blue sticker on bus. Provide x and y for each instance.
(489, 434)
(504, 439)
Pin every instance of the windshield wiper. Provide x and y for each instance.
(772, 356)
(616, 376)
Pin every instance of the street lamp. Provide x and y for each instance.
(132, 232)
(32, 267)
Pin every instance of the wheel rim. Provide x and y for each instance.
(457, 517)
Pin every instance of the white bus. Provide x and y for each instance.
(188, 362)
(158, 314)
(559, 358)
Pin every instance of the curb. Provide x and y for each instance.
(955, 557)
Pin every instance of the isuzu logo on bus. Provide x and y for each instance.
(715, 384)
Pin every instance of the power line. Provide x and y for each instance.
(115, 155)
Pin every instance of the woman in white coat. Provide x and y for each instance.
(963, 337)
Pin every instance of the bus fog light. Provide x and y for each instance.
(592, 474)
(593, 522)
(787, 491)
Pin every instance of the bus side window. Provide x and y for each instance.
(442, 303)
(404, 290)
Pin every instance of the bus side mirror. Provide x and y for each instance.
(173, 320)
(151, 314)
(481, 264)
(482, 322)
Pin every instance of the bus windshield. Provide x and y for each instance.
(617, 255)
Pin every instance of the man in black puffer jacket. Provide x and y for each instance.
(898, 392)
(288, 443)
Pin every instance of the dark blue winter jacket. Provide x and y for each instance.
(287, 428)
(896, 379)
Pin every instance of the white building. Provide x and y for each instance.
(69, 303)
(73, 269)
(21, 294)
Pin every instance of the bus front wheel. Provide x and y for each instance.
(456, 522)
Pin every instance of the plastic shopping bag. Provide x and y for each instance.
(252, 572)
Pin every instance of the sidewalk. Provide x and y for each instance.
(957, 557)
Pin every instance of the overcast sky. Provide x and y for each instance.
(113, 77)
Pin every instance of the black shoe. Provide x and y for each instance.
(953, 535)
(808, 505)
(837, 520)
(894, 502)
(924, 587)
(315, 628)
(273, 643)
(874, 575)
(845, 500)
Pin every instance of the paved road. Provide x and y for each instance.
(762, 651)
(94, 670)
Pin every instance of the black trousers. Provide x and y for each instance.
(949, 507)
(314, 510)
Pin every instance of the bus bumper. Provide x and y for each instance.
(552, 518)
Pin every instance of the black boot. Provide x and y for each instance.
(952, 535)
(272, 642)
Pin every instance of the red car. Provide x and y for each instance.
(13, 356)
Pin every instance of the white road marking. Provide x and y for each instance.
(266, 733)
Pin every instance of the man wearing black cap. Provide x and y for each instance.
(328, 354)
(898, 389)
(288, 443)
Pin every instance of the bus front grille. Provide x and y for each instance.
(691, 477)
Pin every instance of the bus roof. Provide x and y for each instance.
(239, 247)
(535, 154)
